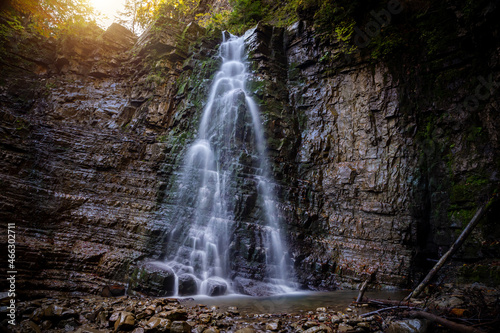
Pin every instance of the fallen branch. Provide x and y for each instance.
(388, 309)
(463, 236)
(389, 302)
(362, 290)
(455, 327)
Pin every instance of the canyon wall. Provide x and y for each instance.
(375, 173)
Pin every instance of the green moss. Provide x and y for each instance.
(482, 273)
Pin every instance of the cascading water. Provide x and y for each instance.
(226, 235)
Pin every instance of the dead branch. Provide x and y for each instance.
(455, 327)
(389, 302)
(463, 236)
(388, 309)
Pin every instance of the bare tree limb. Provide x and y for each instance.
(460, 240)
(455, 327)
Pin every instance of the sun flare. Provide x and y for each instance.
(109, 8)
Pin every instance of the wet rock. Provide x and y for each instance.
(187, 285)
(211, 330)
(153, 278)
(29, 326)
(125, 322)
(364, 325)
(310, 324)
(180, 327)
(175, 315)
(322, 317)
(113, 291)
(233, 310)
(407, 326)
(322, 309)
(138, 330)
(273, 326)
(216, 287)
(318, 329)
(246, 330)
(205, 318)
(158, 325)
(345, 328)
(88, 329)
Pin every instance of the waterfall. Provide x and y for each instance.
(226, 234)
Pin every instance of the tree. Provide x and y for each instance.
(47, 17)
(137, 14)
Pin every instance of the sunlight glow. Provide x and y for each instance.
(110, 8)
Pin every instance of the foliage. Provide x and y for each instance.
(47, 17)
(245, 14)
(139, 14)
(24, 20)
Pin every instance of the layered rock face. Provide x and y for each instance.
(376, 181)
(83, 145)
(338, 140)
(93, 141)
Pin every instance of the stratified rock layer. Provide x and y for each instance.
(371, 179)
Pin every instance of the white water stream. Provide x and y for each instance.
(230, 128)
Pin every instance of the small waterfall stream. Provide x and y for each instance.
(227, 235)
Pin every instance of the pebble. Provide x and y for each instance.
(345, 328)
(105, 315)
(273, 326)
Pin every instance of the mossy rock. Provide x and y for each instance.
(153, 278)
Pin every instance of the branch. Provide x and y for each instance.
(455, 327)
(460, 240)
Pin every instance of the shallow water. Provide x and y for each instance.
(290, 303)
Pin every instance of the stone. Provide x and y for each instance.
(233, 310)
(178, 314)
(205, 318)
(273, 326)
(345, 328)
(153, 278)
(138, 330)
(321, 309)
(88, 329)
(125, 322)
(216, 286)
(309, 324)
(318, 329)
(187, 285)
(246, 330)
(180, 327)
(407, 326)
(158, 325)
(211, 330)
(113, 291)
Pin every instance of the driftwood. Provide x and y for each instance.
(463, 236)
(388, 302)
(455, 327)
(364, 286)
(362, 290)
(388, 309)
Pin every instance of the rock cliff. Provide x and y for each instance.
(376, 174)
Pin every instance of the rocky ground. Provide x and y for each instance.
(475, 305)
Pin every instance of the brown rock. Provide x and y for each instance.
(125, 322)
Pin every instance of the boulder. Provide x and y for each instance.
(125, 322)
(187, 285)
(407, 326)
(153, 278)
(158, 325)
(216, 286)
(113, 290)
(180, 327)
